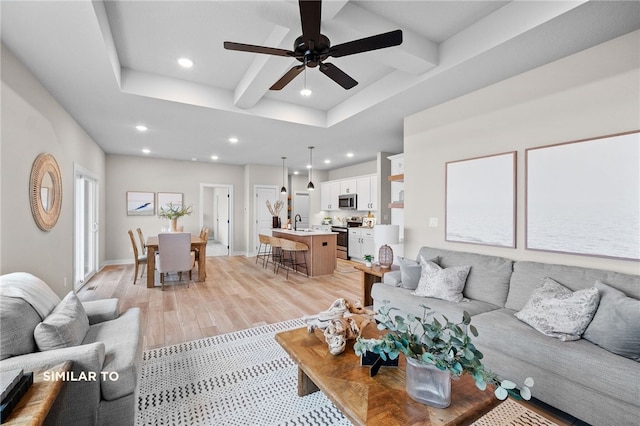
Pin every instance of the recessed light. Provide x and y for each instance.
(194, 159)
(308, 166)
(350, 154)
(141, 128)
(146, 151)
(327, 161)
(185, 62)
(233, 139)
(214, 157)
(296, 172)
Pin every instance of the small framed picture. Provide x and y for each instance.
(140, 203)
(164, 198)
(369, 222)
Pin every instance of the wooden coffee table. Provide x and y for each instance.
(379, 400)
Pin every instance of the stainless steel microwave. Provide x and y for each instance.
(347, 201)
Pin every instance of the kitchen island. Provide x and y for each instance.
(321, 257)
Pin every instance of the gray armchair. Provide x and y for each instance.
(102, 340)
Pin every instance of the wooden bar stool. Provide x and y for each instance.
(290, 250)
(264, 250)
(275, 256)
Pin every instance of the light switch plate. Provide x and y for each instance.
(433, 221)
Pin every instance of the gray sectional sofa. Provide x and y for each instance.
(39, 330)
(578, 377)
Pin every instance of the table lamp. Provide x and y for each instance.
(386, 235)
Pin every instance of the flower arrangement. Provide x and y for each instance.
(275, 209)
(446, 346)
(174, 211)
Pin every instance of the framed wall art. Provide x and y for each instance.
(480, 200)
(140, 203)
(165, 198)
(583, 197)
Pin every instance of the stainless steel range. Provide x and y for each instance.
(342, 251)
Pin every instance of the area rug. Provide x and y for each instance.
(510, 413)
(242, 378)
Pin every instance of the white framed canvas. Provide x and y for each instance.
(164, 198)
(480, 200)
(583, 197)
(140, 203)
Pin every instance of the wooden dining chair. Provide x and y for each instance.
(204, 235)
(137, 258)
(143, 245)
(174, 254)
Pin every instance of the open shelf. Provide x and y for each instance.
(396, 178)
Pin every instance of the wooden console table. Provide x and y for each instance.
(371, 275)
(36, 403)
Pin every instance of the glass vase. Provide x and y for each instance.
(428, 384)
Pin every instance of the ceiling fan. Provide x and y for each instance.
(313, 48)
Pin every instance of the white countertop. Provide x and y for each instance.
(304, 232)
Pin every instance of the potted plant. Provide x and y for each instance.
(275, 212)
(368, 258)
(435, 353)
(173, 212)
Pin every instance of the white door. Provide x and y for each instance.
(216, 214)
(221, 216)
(263, 217)
(85, 227)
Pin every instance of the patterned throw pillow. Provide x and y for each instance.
(556, 311)
(439, 283)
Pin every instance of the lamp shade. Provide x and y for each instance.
(385, 235)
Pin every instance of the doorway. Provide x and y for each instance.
(85, 226)
(216, 213)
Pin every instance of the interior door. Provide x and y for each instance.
(86, 228)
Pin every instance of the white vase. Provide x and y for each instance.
(428, 384)
(367, 264)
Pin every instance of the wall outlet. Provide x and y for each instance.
(65, 281)
(433, 222)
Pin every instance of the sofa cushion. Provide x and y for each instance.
(488, 280)
(392, 278)
(616, 324)
(123, 352)
(402, 299)
(556, 311)
(409, 273)
(18, 319)
(582, 361)
(528, 275)
(441, 283)
(66, 326)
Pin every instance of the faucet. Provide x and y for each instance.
(297, 218)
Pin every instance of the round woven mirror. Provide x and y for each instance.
(45, 190)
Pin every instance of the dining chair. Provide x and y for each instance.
(204, 235)
(137, 258)
(174, 254)
(143, 245)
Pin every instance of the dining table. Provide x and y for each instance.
(152, 247)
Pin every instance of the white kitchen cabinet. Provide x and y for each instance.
(367, 190)
(348, 186)
(361, 242)
(329, 192)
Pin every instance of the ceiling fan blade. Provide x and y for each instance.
(229, 45)
(286, 79)
(310, 15)
(380, 41)
(337, 75)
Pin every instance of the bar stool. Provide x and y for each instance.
(292, 248)
(264, 250)
(276, 252)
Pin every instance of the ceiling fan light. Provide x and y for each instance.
(306, 92)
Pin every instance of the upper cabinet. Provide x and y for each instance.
(348, 186)
(329, 192)
(367, 190)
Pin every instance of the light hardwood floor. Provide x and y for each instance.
(236, 295)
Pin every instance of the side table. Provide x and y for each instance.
(36, 403)
(371, 275)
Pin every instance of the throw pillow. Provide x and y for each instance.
(556, 311)
(66, 326)
(445, 284)
(616, 324)
(410, 272)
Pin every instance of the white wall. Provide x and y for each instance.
(33, 122)
(126, 173)
(592, 93)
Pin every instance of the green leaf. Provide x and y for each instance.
(528, 382)
(508, 384)
(501, 393)
(466, 318)
(525, 393)
(473, 330)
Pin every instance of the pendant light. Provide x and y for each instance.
(310, 186)
(283, 190)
